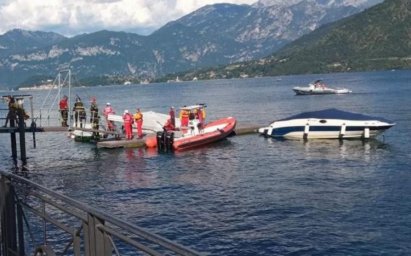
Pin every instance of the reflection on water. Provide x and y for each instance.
(250, 195)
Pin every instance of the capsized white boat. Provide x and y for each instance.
(327, 124)
(318, 87)
(152, 121)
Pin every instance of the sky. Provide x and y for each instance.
(74, 17)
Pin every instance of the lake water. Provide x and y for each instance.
(250, 195)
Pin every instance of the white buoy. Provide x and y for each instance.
(343, 129)
(366, 133)
(306, 130)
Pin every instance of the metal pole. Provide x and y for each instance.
(13, 136)
(33, 123)
(69, 98)
(22, 135)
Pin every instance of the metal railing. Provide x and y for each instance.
(90, 231)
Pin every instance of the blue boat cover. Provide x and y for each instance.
(333, 113)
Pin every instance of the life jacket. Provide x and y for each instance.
(184, 113)
(138, 116)
(127, 118)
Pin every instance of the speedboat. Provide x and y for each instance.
(327, 124)
(318, 87)
(197, 133)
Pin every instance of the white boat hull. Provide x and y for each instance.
(152, 121)
(319, 91)
(325, 128)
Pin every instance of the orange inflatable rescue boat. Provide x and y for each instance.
(194, 132)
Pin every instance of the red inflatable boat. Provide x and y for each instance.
(211, 132)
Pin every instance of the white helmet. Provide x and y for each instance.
(108, 104)
(125, 111)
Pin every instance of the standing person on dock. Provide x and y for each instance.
(93, 110)
(138, 118)
(184, 117)
(94, 118)
(63, 107)
(128, 124)
(172, 114)
(200, 117)
(108, 110)
(11, 115)
(79, 112)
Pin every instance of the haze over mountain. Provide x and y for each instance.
(213, 35)
(376, 39)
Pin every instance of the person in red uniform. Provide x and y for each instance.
(172, 114)
(108, 110)
(128, 123)
(63, 107)
(200, 118)
(184, 117)
(168, 126)
(138, 118)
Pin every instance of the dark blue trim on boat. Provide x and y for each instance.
(333, 113)
(285, 130)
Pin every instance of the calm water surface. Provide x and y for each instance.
(250, 195)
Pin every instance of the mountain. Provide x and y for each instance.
(355, 3)
(18, 41)
(376, 39)
(213, 35)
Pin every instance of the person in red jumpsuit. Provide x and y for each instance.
(109, 110)
(63, 107)
(138, 118)
(128, 123)
(168, 126)
(184, 117)
(172, 114)
(200, 117)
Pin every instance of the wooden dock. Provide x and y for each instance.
(244, 129)
(241, 129)
(36, 129)
(122, 143)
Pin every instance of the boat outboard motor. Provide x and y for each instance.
(160, 139)
(169, 141)
(165, 141)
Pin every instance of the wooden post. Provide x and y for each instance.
(13, 135)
